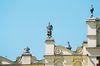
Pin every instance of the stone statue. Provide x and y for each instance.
(91, 10)
(69, 46)
(49, 30)
(26, 50)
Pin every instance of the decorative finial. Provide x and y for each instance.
(26, 50)
(49, 30)
(92, 10)
(69, 46)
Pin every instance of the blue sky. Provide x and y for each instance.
(23, 23)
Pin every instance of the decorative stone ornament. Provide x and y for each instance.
(49, 30)
(92, 10)
(26, 50)
(58, 51)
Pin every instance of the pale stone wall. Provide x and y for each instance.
(67, 53)
(5, 62)
(49, 61)
(26, 60)
(49, 49)
(66, 60)
(91, 35)
(91, 42)
(49, 64)
(94, 31)
(49, 46)
(94, 60)
(91, 28)
(90, 62)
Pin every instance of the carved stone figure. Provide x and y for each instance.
(26, 50)
(49, 30)
(91, 10)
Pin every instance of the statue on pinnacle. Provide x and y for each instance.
(49, 30)
(69, 46)
(92, 10)
(26, 50)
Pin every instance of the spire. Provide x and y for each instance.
(69, 46)
(92, 10)
(49, 30)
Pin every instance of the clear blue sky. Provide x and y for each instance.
(23, 23)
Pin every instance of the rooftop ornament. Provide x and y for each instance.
(92, 10)
(69, 46)
(49, 30)
(26, 50)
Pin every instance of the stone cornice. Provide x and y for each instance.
(91, 35)
(63, 55)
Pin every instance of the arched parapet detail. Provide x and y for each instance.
(58, 63)
(77, 63)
